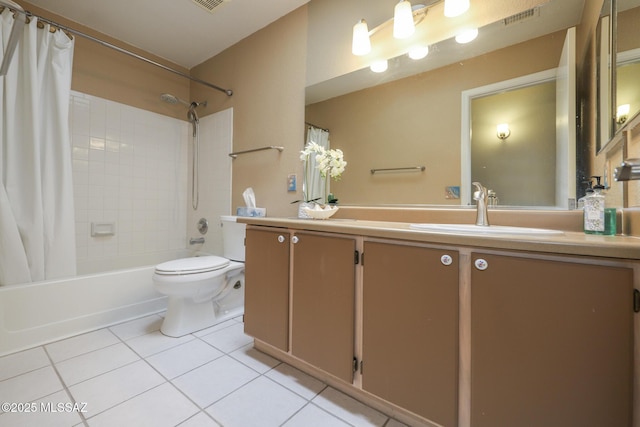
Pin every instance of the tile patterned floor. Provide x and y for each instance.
(132, 375)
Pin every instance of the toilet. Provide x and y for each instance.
(204, 290)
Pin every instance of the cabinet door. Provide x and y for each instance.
(266, 305)
(323, 302)
(551, 343)
(410, 328)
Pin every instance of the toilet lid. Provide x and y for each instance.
(193, 265)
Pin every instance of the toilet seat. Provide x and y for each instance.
(193, 265)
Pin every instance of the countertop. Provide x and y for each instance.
(569, 243)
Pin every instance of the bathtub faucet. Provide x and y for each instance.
(196, 241)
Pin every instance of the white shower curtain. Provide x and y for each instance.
(37, 234)
(320, 137)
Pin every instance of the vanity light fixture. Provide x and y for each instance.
(453, 8)
(379, 66)
(403, 25)
(467, 36)
(622, 113)
(503, 131)
(405, 19)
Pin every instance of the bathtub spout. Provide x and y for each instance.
(196, 241)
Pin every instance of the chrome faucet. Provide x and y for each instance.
(480, 196)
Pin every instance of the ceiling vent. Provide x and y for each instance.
(209, 5)
(522, 16)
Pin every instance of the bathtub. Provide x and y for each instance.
(38, 313)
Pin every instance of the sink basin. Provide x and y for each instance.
(480, 230)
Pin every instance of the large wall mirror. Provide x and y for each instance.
(409, 124)
(605, 75)
(618, 41)
(627, 43)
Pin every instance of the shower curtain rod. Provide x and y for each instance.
(28, 14)
(316, 126)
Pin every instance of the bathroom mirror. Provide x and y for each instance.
(627, 54)
(605, 75)
(427, 132)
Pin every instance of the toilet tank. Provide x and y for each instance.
(233, 234)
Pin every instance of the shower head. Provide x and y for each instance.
(192, 116)
(172, 99)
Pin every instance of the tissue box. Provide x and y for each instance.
(254, 212)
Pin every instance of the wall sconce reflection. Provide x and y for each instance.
(453, 8)
(418, 52)
(467, 36)
(503, 131)
(379, 66)
(622, 114)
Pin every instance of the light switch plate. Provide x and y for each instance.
(291, 182)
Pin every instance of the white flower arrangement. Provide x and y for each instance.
(330, 163)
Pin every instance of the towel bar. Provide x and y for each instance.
(270, 147)
(410, 169)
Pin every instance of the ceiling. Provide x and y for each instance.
(180, 31)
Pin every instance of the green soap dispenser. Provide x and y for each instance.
(598, 219)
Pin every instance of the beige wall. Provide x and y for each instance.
(416, 121)
(106, 73)
(267, 74)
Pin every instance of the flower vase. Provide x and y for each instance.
(302, 213)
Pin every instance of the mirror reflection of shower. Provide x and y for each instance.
(192, 117)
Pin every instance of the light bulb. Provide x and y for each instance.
(503, 131)
(361, 44)
(379, 66)
(403, 25)
(467, 36)
(622, 113)
(453, 8)
(418, 52)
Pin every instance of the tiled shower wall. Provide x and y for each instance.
(130, 169)
(216, 136)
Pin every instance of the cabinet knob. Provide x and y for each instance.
(281, 238)
(446, 259)
(481, 264)
(295, 239)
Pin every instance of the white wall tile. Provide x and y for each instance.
(122, 156)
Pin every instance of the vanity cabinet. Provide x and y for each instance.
(448, 334)
(318, 291)
(551, 343)
(410, 328)
(267, 286)
(323, 301)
